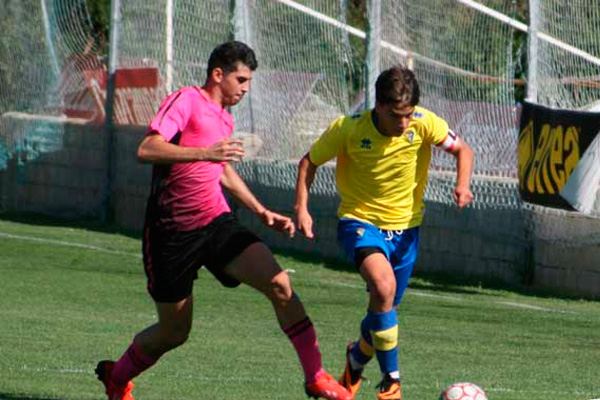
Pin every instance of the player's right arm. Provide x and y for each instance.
(306, 175)
(155, 149)
(324, 149)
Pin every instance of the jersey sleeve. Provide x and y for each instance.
(329, 144)
(437, 130)
(439, 133)
(172, 116)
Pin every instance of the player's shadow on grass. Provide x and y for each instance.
(8, 396)
(314, 257)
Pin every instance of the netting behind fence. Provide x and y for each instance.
(301, 83)
(568, 77)
(45, 47)
(463, 59)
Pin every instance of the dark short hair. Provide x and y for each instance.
(227, 56)
(397, 85)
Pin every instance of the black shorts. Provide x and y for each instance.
(172, 258)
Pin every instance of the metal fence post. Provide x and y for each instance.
(50, 42)
(532, 51)
(109, 129)
(373, 59)
(242, 31)
(169, 47)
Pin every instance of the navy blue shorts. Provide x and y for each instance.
(172, 258)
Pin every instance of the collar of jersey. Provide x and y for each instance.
(216, 108)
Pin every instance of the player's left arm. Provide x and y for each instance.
(236, 186)
(464, 167)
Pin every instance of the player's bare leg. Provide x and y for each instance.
(256, 267)
(171, 330)
(381, 281)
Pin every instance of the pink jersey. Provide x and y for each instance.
(187, 196)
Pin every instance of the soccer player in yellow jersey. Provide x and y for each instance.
(382, 161)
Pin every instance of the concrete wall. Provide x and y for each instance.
(566, 250)
(480, 242)
(67, 182)
(475, 243)
(131, 180)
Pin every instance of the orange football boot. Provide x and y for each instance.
(389, 389)
(328, 388)
(104, 372)
(351, 379)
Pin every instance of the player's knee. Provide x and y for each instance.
(382, 292)
(280, 288)
(179, 338)
(175, 336)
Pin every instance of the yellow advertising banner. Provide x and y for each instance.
(551, 144)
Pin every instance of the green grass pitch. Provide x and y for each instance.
(72, 294)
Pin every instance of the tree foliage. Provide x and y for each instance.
(100, 14)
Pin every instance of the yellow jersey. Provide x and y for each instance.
(381, 179)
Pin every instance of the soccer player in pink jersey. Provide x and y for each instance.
(189, 224)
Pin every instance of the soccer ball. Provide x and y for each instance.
(463, 391)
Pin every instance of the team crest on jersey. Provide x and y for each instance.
(365, 143)
(360, 231)
(417, 114)
(410, 135)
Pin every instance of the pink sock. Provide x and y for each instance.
(132, 363)
(304, 338)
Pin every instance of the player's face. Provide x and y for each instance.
(393, 119)
(234, 85)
